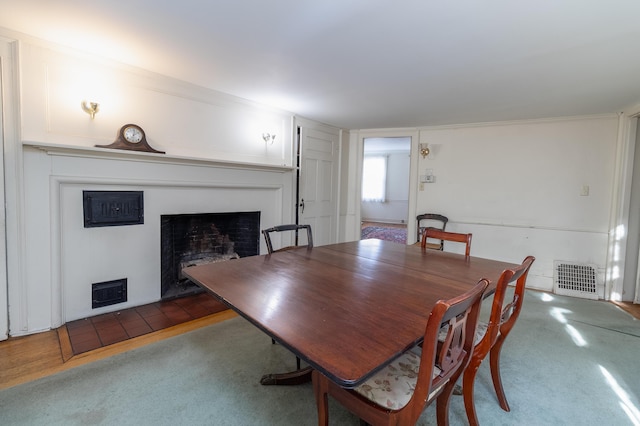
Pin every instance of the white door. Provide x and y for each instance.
(318, 182)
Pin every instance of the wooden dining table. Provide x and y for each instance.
(346, 309)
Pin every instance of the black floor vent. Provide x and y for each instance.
(108, 293)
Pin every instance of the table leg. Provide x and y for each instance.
(297, 377)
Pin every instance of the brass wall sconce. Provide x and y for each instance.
(91, 108)
(424, 150)
(268, 138)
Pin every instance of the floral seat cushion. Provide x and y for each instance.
(393, 386)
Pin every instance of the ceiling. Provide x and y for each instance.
(369, 63)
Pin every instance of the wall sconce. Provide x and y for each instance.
(424, 150)
(268, 138)
(90, 108)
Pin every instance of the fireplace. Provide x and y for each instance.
(195, 239)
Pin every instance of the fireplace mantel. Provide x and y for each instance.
(105, 153)
(64, 259)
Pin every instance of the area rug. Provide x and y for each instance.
(396, 235)
(568, 361)
(210, 376)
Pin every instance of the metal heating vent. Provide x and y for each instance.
(108, 293)
(575, 279)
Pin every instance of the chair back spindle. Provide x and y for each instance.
(502, 318)
(291, 227)
(436, 368)
(430, 220)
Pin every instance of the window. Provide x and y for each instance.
(374, 178)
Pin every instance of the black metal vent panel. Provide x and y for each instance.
(113, 208)
(108, 293)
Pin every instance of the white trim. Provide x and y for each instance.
(139, 157)
(6, 65)
(14, 191)
(493, 123)
(621, 198)
(58, 181)
(516, 225)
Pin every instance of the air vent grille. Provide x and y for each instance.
(108, 293)
(575, 279)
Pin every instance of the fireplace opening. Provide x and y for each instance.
(196, 239)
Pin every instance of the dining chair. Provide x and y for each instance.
(447, 236)
(282, 228)
(401, 390)
(490, 336)
(431, 220)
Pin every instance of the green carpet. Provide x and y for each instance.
(568, 362)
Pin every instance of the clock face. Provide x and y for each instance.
(132, 134)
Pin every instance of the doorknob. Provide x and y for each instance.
(302, 205)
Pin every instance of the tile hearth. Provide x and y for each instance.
(106, 329)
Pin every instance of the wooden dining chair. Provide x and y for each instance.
(400, 391)
(431, 220)
(447, 236)
(282, 228)
(490, 336)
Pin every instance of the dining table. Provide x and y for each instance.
(346, 309)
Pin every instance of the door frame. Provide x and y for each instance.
(634, 211)
(10, 184)
(619, 286)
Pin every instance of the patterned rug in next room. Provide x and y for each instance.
(396, 235)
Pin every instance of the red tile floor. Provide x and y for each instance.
(106, 329)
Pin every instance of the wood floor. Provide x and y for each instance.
(630, 308)
(27, 358)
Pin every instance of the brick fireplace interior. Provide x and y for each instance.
(195, 239)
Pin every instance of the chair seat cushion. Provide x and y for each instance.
(393, 386)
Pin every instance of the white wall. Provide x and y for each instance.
(215, 161)
(179, 118)
(64, 258)
(517, 187)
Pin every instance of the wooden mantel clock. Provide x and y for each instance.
(131, 137)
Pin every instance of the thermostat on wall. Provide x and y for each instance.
(428, 177)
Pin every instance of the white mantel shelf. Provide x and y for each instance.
(114, 154)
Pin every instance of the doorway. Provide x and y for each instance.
(384, 204)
